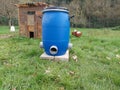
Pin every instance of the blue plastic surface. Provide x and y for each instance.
(55, 31)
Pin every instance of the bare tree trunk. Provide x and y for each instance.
(9, 22)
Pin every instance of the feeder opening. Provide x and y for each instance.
(31, 34)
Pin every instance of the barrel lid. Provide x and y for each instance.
(63, 9)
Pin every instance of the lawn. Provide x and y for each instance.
(6, 30)
(97, 67)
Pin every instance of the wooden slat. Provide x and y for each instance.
(38, 4)
(30, 19)
(31, 28)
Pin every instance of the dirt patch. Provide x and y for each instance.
(5, 36)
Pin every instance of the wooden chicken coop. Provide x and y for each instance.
(29, 16)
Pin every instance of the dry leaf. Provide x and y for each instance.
(47, 71)
(118, 56)
(75, 58)
(58, 75)
(72, 73)
(14, 89)
(62, 88)
(108, 58)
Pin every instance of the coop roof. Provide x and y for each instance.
(26, 5)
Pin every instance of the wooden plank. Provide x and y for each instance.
(30, 20)
(22, 30)
(30, 28)
(38, 13)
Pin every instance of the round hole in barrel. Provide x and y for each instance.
(53, 50)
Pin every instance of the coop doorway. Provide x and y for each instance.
(31, 34)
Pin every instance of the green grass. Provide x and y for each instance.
(6, 30)
(97, 68)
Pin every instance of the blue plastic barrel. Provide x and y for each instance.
(55, 31)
